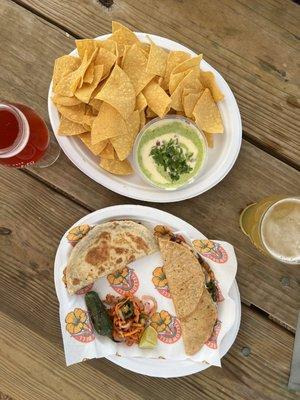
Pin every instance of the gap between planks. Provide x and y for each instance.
(246, 136)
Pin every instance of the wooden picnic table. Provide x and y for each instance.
(254, 45)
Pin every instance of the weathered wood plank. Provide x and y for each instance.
(33, 368)
(253, 44)
(215, 213)
(31, 359)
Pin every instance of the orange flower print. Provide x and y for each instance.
(160, 321)
(160, 282)
(77, 233)
(212, 250)
(117, 277)
(76, 321)
(203, 246)
(159, 278)
(124, 281)
(167, 327)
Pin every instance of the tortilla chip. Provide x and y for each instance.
(191, 81)
(121, 59)
(73, 113)
(141, 102)
(207, 114)
(87, 61)
(208, 80)
(84, 93)
(88, 110)
(123, 144)
(107, 44)
(119, 92)
(116, 25)
(174, 59)
(69, 128)
(145, 47)
(157, 99)
(122, 36)
(142, 119)
(105, 58)
(94, 148)
(209, 139)
(85, 46)
(133, 124)
(150, 113)
(108, 153)
(95, 111)
(65, 101)
(63, 66)
(157, 60)
(175, 79)
(116, 166)
(162, 83)
(134, 64)
(89, 117)
(189, 100)
(95, 103)
(188, 64)
(69, 83)
(89, 74)
(108, 124)
(99, 87)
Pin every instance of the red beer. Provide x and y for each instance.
(24, 136)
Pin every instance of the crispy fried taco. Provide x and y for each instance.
(106, 248)
(190, 282)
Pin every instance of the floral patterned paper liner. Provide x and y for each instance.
(126, 281)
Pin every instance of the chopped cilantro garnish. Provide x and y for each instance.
(172, 158)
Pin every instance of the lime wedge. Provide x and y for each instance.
(148, 339)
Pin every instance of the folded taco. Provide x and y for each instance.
(189, 279)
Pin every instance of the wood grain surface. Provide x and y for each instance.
(255, 175)
(31, 348)
(254, 45)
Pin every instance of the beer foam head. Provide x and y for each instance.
(280, 230)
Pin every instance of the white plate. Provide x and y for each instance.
(219, 160)
(151, 367)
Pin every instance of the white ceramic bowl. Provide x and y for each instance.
(220, 159)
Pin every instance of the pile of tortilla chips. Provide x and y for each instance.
(114, 87)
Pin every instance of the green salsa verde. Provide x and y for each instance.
(170, 153)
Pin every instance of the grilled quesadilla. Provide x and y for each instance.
(106, 248)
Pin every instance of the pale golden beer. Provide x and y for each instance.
(273, 226)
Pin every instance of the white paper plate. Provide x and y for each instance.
(219, 160)
(151, 367)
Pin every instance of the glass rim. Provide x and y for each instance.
(23, 134)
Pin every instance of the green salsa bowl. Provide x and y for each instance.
(170, 152)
